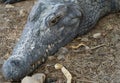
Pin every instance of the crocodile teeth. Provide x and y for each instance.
(49, 46)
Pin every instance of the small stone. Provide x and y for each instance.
(22, 12)
(51, 58)
(85, 39)
(61, 57)
(97, 35)
(9, 6)
(58, 66)
(40, 77)
(28, 79)
(63, 51)
(87, 47)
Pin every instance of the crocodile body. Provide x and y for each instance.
(51, 25)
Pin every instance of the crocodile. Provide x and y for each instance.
(10, 1)
(52, 24)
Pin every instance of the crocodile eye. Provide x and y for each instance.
(54, 20)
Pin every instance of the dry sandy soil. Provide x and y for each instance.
(98, 64)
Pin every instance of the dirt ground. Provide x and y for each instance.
(97, 62)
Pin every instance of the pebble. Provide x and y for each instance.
(85, 39)
(36, 78)
(58, 66)
(51, 58)
(63, 51)
(64, 71)
(28, 79)
(97, 35)
(9, 6)
(61, 57)
(39, 77)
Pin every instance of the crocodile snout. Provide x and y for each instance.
(12, 69)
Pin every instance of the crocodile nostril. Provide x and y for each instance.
(15, 62)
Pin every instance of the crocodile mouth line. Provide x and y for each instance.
(36, 65)
(40, 62)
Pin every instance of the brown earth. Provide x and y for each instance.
(98, 63)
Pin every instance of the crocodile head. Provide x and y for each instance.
(50, 25)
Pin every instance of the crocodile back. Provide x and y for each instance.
(115, 5)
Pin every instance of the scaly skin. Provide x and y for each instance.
(51, 25)
(10, 1)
